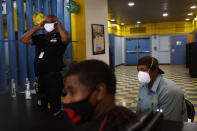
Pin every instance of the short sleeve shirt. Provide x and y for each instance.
(164, 95)
(49, 53)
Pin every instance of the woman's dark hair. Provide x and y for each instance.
(151, 62)
(93, 72)
(148, 61)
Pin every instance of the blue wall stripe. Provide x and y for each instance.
(21, 46)
(31, 49)
(46, 7)
(12, 44)
(60, 11)
(2, 55)
(111, 51)
(68, 53)
(38, 5)
(54, 7)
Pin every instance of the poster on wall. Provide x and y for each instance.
(98, 39)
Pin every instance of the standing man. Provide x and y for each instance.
(158, 92)
(48, 61)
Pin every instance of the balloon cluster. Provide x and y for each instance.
(38, 18)
(72, 6)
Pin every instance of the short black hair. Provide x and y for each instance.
(93, 72)
(52, 16)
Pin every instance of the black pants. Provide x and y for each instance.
(49, 90)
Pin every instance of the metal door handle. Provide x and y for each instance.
(131, 51)
(138, 51)
(144, 51)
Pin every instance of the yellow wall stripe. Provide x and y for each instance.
(153, 28)
(79, 32)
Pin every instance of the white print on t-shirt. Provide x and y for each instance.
(53, 40)
(41, 55)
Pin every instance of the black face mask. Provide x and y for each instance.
(79, 112)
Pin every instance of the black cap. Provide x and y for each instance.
(151, 63)
(160, 71)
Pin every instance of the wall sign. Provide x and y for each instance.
(98, 39)
(178, 42)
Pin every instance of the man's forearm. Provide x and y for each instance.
(27, 37)
(65, 36)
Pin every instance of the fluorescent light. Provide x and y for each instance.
(195, 19)
(131, 4)
(113, 25)
(113, 20)
(187, 19)
(122, 24)
(138, 22)
(165, 14)
(193, 7)
(190, 14)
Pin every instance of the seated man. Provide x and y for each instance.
(90, 98)
(158, 92)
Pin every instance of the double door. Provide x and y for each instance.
(136, 48)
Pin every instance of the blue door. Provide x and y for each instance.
(144, 47)
(135, 49)
(131, 51)
(111, 51)
(179, 50)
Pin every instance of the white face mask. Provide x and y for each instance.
(143, 77)
(49, 27)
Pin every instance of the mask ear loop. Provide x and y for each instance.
(151, 65)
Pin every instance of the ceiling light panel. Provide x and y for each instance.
(112, 20)
(131, 4)
(193, 7)
(122, 24)
(187, 19)
(113, 25)
(165, 14)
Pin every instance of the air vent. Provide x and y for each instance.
(179, 28)
(138, 30)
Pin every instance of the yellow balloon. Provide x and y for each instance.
(38, 18)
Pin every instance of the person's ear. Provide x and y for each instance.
(102, 91)
(153, 73)
(156, 72)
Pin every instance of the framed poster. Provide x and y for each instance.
(98, 39)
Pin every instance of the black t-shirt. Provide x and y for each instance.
(113, 120)
(49, 53)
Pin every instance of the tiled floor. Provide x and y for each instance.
(128, 85)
